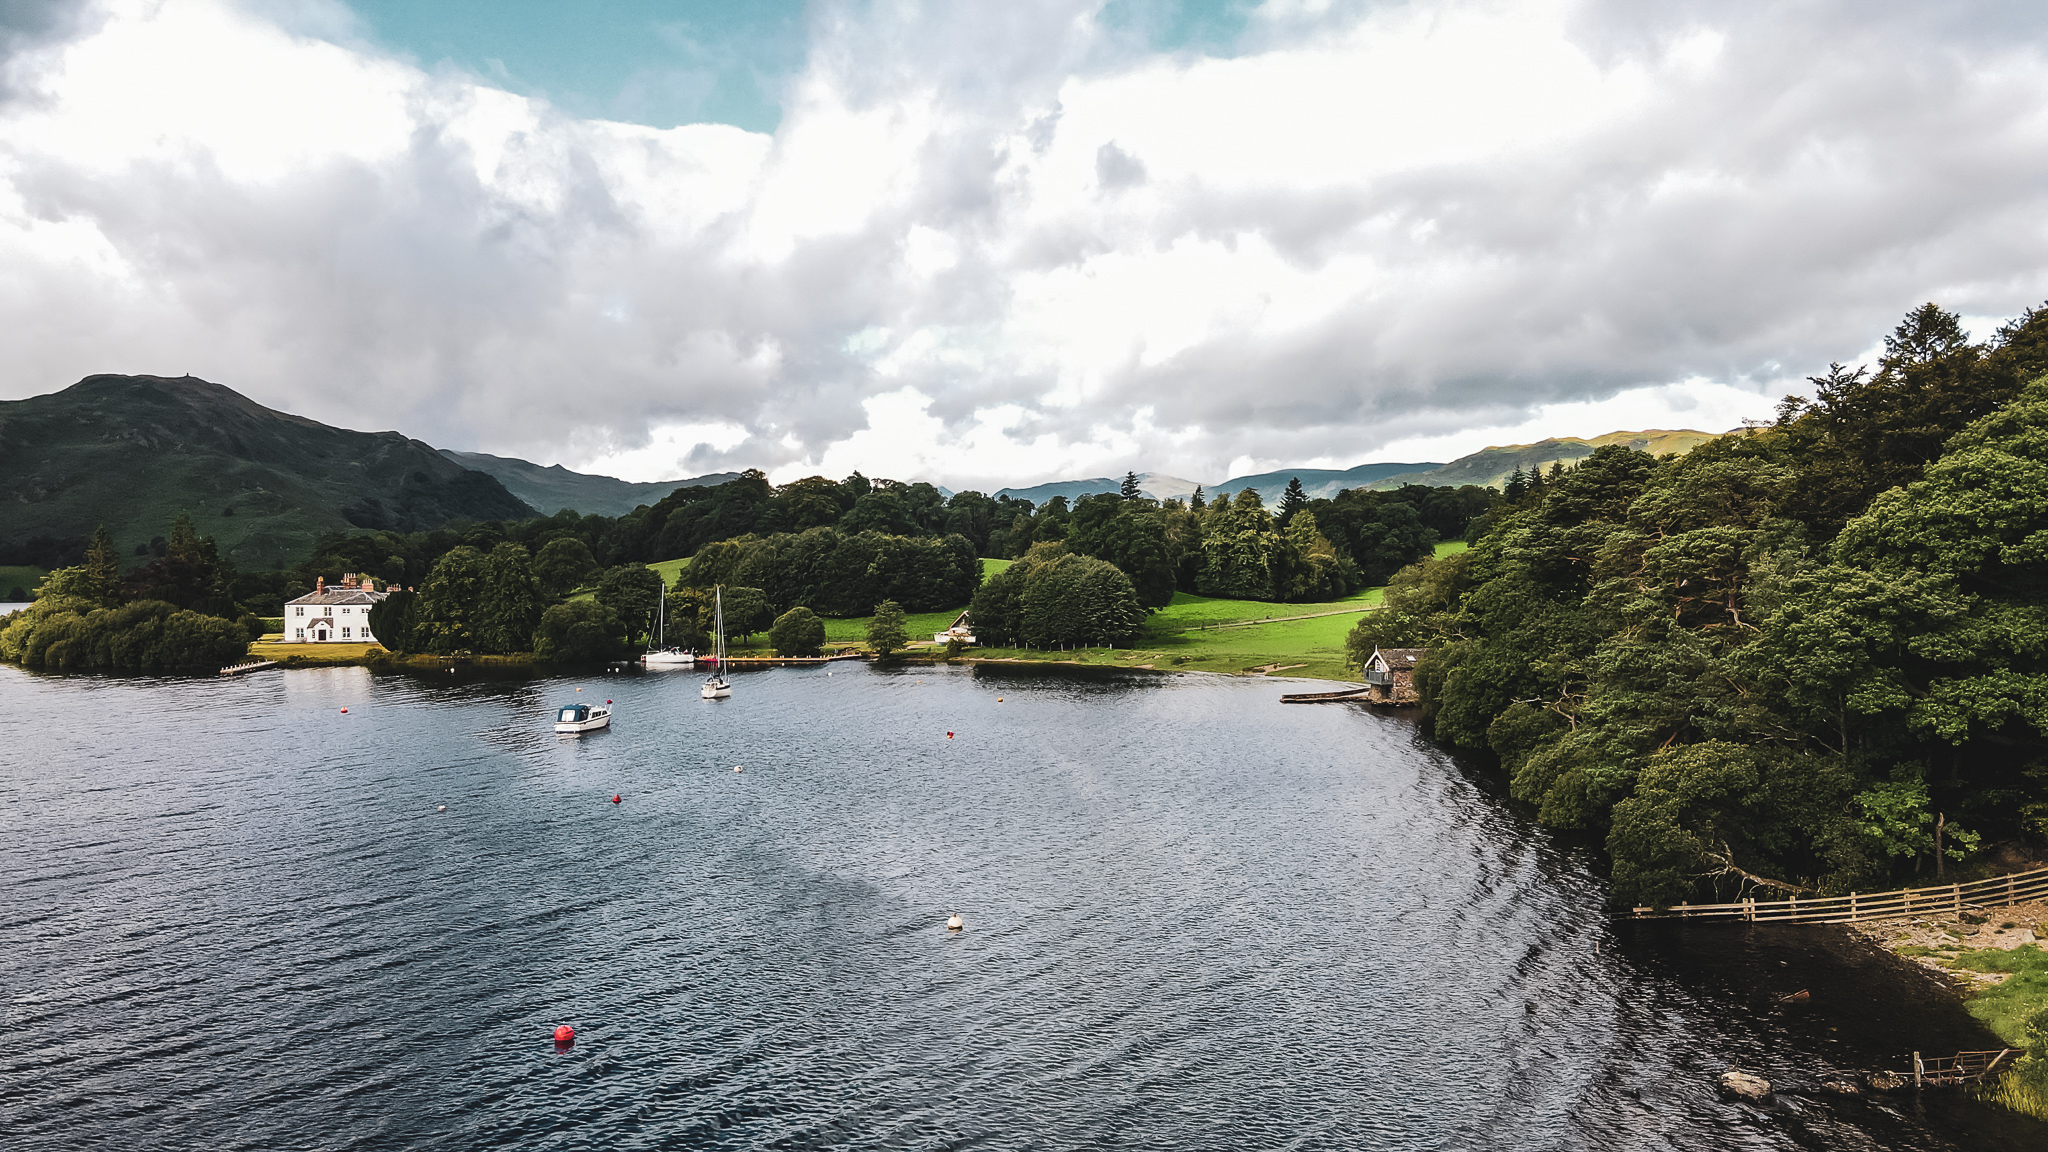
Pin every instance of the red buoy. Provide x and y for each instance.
(565, 1035)
(607, 701)
(615, 799)
(344, 711)
(949, 735)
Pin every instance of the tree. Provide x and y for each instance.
(444, 616)
(886, 631)
(391, 621)
(562, 566)
(632, 592)
(797, 632)
(101, 580)
(747, 611)
(1195, 502)
(509, 604)
(1130, 489)
(1291, 501)
(577, 632)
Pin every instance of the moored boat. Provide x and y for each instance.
(662, 655)
(583, 717)
(715, 685)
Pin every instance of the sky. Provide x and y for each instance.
(990, 245)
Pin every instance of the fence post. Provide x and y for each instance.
(1958, 892)
(1852, 905)
(2008, 889)
(1918, 1071)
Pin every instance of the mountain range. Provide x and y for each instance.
(554, 487)
(132, 452)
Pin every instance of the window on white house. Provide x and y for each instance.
(301, 633)
(302, 610)
(344, 633)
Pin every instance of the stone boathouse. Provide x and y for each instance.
(1390, 675)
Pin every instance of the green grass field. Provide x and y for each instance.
(1193, 634)
(22, 576)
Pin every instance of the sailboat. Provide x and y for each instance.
(661, 656)
(715, 686)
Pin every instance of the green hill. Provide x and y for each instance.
(554, 487)
(132, 452)
(1493, 466)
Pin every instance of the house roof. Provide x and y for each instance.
(329, 596)
(1400, 659)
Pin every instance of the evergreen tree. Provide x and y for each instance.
(1130, 490)
(1517, 486)
(1195, 502)
(886, 630)
(101, 582)
(1291, 501)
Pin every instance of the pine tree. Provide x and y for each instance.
(102, 570)
(1518, 486)
(1130, 486)
(1291, 501)
(1195, 502)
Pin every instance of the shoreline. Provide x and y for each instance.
(1992, 960)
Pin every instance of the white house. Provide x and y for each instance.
(333, 615)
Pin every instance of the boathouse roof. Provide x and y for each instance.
(1398, 659)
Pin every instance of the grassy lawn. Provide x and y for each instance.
(1193, 633)
(22, 576)
(329, 653)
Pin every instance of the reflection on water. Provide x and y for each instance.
(1196, 918)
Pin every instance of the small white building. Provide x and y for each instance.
(961, 631)
(333, 615)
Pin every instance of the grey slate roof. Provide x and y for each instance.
(340, 596)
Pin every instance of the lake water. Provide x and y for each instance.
(1196, 919)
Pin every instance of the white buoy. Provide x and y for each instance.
(441, 808)
(955, 923)
(735, 767)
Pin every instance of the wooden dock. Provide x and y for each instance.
(1865, 905)
(1319, 697)
(253, 666)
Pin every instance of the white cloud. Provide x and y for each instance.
(992, 246)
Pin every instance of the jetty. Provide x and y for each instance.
(1320, 697)
(252, 666)
(1998, 890)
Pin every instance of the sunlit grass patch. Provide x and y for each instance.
(2006, 1008)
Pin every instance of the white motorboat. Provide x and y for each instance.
(715, 685)
(661, 656)
(583, 717)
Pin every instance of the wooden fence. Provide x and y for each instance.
(1866, 905)
(1961, 1068)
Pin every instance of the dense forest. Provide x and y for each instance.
(175, 612)
(1809, 658)
(1088, 570)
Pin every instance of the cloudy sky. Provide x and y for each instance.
(985, 243)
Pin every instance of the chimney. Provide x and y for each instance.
(319, 585)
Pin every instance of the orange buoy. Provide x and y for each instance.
(615, 798)
(565, 1035)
